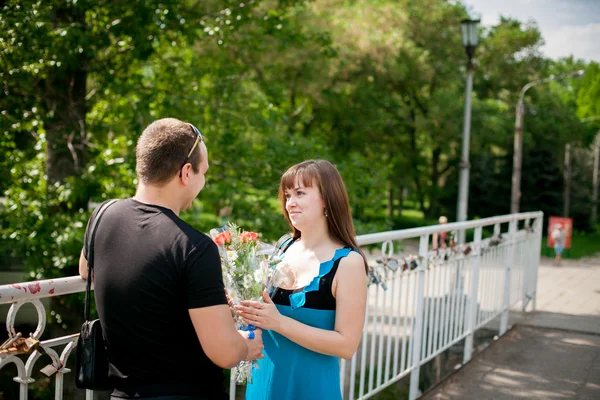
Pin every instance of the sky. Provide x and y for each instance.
(569, 27)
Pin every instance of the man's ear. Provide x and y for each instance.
(186, 170)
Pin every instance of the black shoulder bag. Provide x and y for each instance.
(91, 371)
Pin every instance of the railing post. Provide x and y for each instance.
(473, 295)
(510, 259)
(538, 226)
(418, 328)
(58, 386)
(23, 392)
(232, 385)
(526, 265)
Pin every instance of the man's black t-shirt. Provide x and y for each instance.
(150, 267)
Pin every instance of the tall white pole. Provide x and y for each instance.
(515, 196)
(463, 188)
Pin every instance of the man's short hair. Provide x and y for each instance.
(162, 150)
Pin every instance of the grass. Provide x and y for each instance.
(411, 218)
(396, 391)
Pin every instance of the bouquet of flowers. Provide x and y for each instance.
(249, 267)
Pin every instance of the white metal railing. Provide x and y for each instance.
(19, 294)
(423, 304)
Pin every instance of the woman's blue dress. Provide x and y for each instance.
(289, 371)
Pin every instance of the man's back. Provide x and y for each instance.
(150, 268)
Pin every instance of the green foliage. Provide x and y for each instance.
(584, 244)
(589, 93)
(377, 87)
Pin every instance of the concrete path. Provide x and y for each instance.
(529, 363)
(551, 353)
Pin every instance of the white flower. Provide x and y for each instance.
(259, 275)
(234, 296)
(227, 279)
(248, 281)
(277, 278)
(243, 372)
(232, 266)
(232, 255)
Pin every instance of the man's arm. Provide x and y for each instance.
(210, 313)
(219, 339)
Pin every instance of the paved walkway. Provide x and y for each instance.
(552, 353)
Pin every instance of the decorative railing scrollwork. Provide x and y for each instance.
(24, 352)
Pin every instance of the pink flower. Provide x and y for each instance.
(223, 238)
(249, 236)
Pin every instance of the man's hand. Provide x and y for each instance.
(255, 346)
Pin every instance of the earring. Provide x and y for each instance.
(325, 213)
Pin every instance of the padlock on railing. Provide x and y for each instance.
(17, 345)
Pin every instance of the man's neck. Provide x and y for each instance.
(158, 196)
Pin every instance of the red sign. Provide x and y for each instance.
(558, 224)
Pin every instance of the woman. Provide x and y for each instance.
(317, 315)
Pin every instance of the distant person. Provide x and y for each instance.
(559, 236)
(440, 240)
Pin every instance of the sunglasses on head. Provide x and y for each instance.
(199, 139)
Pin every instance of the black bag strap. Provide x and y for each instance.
(90, 256)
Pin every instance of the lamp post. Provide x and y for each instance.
(594, 213)
(515, 196)
(470, 40)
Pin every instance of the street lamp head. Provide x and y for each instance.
(470, 35)
(581, 72)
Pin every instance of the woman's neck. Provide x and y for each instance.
(316, 238)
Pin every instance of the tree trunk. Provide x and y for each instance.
(414, 158)
(434, 206)
(64, 92)
(66, 131)
(390, 200)
(401, 200)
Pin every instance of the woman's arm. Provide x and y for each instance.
(351, 299)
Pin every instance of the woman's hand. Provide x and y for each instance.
(262, 315)
(230, 303)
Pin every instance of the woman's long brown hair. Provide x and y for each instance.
(328, 180)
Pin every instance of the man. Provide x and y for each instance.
(157, 281)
